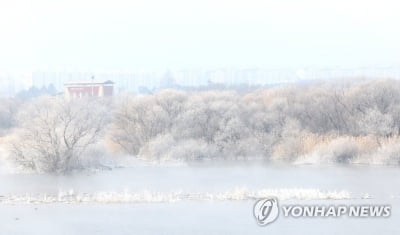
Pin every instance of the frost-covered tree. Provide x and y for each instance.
(53, 133)
(136, 121)
(375, 123)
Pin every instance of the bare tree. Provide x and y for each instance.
(54, 133)
(136, 121)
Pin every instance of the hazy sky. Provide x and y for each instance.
(161, 34)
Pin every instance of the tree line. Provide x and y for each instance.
(354, 121)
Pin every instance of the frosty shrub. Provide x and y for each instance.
(387, 154)
(53, 133)
(158, 148)
(193, 150)
(340, 150)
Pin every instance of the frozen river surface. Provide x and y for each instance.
(194, 200)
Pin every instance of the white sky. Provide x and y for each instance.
(161, 34)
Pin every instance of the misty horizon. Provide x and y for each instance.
(157, 36)
(148, 81)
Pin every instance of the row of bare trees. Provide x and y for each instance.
(340, 121)
(276, 123)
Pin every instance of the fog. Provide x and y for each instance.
(158, 35)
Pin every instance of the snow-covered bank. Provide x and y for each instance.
(165, 197)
